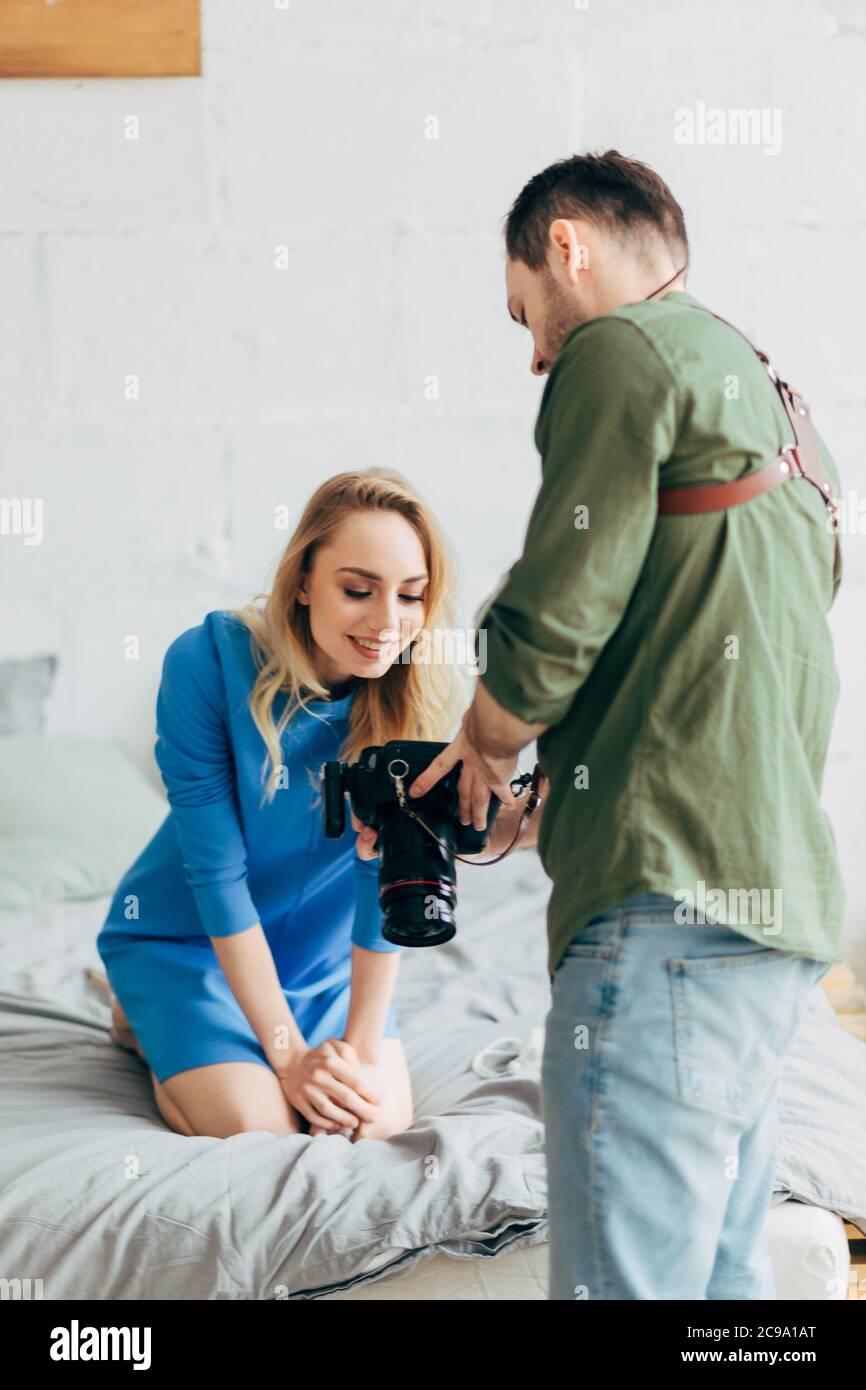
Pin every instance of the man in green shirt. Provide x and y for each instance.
(677, 672)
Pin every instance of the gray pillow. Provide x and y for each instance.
(25, 685)
(74, 814)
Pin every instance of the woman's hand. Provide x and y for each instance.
(370, 1079)
(366, 839)
(329, 1087)
(393, 1115)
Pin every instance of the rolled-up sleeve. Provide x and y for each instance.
(195, 759)
(367, 924)
(608, 420)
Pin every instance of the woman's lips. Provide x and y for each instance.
(365, 651)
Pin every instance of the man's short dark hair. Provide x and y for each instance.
(620, 195)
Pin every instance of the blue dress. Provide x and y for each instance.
(219, 863)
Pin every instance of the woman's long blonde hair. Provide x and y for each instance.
(413, 699)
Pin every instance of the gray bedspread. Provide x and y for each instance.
(100, 1200)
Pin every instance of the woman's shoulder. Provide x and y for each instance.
(205, 647)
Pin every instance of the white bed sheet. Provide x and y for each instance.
(808, 1248)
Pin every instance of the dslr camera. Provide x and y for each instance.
(417, 836)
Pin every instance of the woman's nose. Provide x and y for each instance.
(386, 620)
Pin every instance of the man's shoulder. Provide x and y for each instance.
(654, 321)
(615, 346)
(621, 330)
(636, 333)
(680, 334)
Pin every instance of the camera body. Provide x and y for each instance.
(417, 878)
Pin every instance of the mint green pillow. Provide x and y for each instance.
(74, 814)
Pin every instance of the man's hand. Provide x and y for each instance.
(506, 824)
(478, 778)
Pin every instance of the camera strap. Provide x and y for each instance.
(533, 800)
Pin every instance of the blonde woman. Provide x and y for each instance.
(243, 948)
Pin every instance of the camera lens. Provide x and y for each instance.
(417, 888)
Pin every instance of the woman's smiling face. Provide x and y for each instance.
(367, 585)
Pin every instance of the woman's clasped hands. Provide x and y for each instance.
(331, 1087)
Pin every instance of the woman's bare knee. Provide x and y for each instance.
(229, 1098)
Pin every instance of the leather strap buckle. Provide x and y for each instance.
(789, 461)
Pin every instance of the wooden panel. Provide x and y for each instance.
(100, 38)
(847, 997)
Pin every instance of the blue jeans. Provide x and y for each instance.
(662, 1053)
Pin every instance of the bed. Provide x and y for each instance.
(100, 1200)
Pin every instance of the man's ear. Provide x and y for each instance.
(568, 243)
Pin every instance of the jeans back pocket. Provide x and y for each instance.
(733, 1016)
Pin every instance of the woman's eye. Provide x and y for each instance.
(362, 593)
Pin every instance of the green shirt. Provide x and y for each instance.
(684, 664)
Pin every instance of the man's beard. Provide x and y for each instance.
(563, 315)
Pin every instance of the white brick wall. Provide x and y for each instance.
(155, 257)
